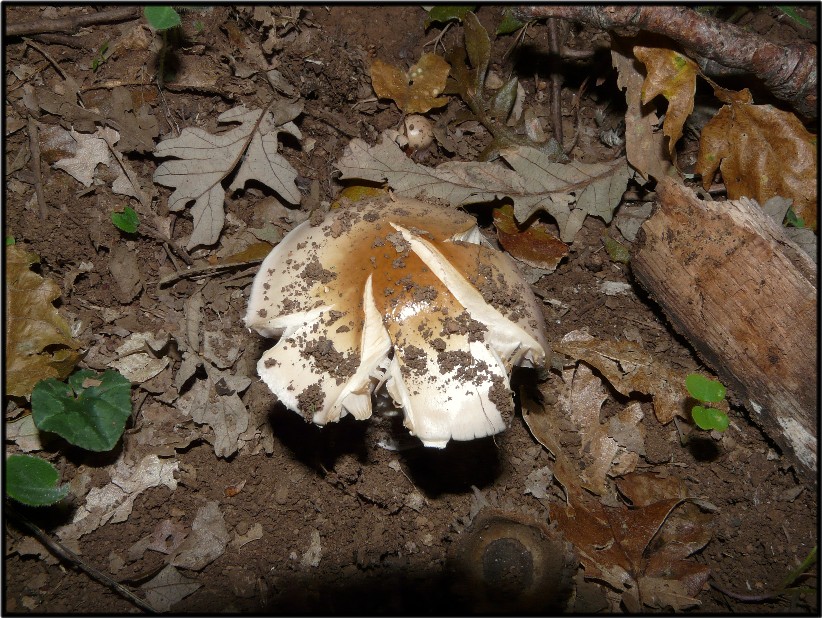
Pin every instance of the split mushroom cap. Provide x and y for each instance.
(401, 293)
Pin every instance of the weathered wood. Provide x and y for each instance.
(745, 297)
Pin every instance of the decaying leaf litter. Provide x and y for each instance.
(212, 484)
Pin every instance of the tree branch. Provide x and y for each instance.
(72, 23)
(788, 71)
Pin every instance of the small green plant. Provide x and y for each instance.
(707, 391)
(127, 221)
(100, 58)
(161, 17)
(90, 411)
(10, 241)
(33, 481)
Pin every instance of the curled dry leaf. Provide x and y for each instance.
(88, 152)
(203, 160)
(533, 244)
(404, 276)
(674, 76)
(416, 91)
(762, 152)
(38, 340)
(628, 367)
(644, 145)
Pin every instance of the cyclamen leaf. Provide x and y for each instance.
(203, 160)
(38, 339)
(445, 12)
(33, 481)
(94, 419)
(535, 183)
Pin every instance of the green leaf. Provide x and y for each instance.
(616, 250)
(792, 219)
(33, 481)
(443, 13)
(709, 418)
(478, 46)
(127, 220)
(161, 17)
(10, 241)
(509, 23)
(792, 13)
(94, 419)
(703, 389)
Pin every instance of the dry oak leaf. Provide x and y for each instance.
(203, 160)
(674, 76)
(762, 152)
(417, 91)
(89, 152)
(567, 191)
(628, 368)
(38, 340)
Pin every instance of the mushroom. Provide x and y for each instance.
(400, 293)
(419, 131)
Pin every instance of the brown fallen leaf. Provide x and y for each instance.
(644, 146)
(533, 244)
(674, 76)
(628, 367)
(762, 152)
(38, 340)
(416, 91)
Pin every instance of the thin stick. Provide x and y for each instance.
(63, 552)
(46, 55)
(34, 147)
(73, 23)
(204, 271)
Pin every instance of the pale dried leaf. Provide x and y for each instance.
(254, 533)
(203, 160)
(92, 150)
(168, 587)
(582, 402)
(628, 367)
(216, 402)
(207, 541)
(113, 502)
(314, 553)
(24, 433)
(568, 192)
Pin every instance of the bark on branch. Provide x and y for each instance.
(788, 71)
(72, 23)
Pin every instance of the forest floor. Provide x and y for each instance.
(308, 519)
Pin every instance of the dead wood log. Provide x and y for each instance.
(745, 297)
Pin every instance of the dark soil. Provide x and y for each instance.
(391, 524)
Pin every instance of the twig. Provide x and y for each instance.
(788, 71)
(46, 55)
(73, 23)
(554, 47)
(34, 147)
(204, 271)
(63, 552)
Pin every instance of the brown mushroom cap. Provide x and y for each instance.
(398, 276)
